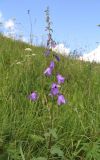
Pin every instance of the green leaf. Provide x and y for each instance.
(47, 134)
(56, 150)
(4, 157)
(92, 150)
(39, 158)
(21, 152)
(36, 138)
(53, 133)
(34, 158)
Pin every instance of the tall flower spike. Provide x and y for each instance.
(60, 79)
(54, 89)
(61, 99)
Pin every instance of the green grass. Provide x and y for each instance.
(24, 125)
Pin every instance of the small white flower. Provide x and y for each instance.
(28, 49)
(18, 63)
(33, 54)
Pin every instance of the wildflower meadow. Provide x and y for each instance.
(49, 103)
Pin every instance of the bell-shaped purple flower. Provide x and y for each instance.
(61, 99)
(48, 71)
(52, 64)
(33, 96)
(54, 89)
(60, 79)
(57, 57)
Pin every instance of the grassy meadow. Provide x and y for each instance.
(25, 126)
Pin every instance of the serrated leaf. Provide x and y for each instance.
(56, 150)
(92, 150)
(47, 134)
(53, 133)
(36, 138)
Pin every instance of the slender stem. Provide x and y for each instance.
(50, 137)
(49, 146)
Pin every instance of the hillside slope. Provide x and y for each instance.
(24, 124)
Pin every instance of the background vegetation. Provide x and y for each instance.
(25, 125)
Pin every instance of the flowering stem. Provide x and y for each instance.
(50, 137)
(49, 146)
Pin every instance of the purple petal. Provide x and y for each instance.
(54, 89)
(48, 71)
(61, 99)
(33, 96)
(52, 64)
(60, 79)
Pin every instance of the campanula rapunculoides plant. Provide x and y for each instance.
(54, 92)
(57, 98)
(56, 95)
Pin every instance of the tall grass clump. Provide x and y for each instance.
(49, 105)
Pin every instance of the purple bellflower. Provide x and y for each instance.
(52, 65)
(61, 99)
(54, 89)
(33, 96)
(60, 79)
(57, 57)
(48, 71)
